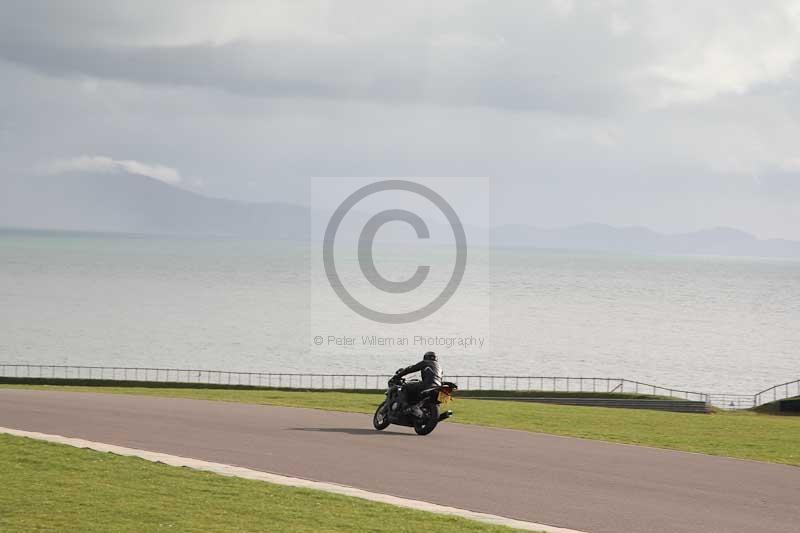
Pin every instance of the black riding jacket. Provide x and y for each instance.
(430, 371)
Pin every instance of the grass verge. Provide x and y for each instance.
(746, 435)
(54, 487)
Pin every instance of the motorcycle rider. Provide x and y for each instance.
(431, 374)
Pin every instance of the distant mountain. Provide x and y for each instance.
(135, 204)
(601, 237)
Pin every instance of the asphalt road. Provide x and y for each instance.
(586, 485)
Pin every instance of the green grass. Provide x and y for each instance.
(773, 408)
(53, 487)
(746, 435)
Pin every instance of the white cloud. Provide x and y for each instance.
(563, 8)
(99, 163)
(703, 51)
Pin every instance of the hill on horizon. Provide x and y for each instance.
(126, 203)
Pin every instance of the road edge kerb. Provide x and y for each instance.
(257, 475)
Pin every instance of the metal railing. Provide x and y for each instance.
(340, 381)
(378, 381)
(571, 384)
(790, 389)
(197, 376)
(732, 401)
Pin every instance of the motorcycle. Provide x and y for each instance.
(392, 410)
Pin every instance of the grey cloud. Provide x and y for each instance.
(393, 74)
(592, 57)
(780, 183)
(566, 110)
(576, 68)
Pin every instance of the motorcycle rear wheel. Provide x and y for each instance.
(380, 419)
(428, 424)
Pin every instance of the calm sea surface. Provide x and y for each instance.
(709, 324)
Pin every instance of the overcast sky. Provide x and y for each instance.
(671, 115)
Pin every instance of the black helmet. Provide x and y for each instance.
(429, 356)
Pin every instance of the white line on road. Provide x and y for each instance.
(247, 473)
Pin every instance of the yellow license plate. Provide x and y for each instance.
(444, 398)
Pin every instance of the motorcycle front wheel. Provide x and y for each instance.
(381, 418)
(428, 423)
